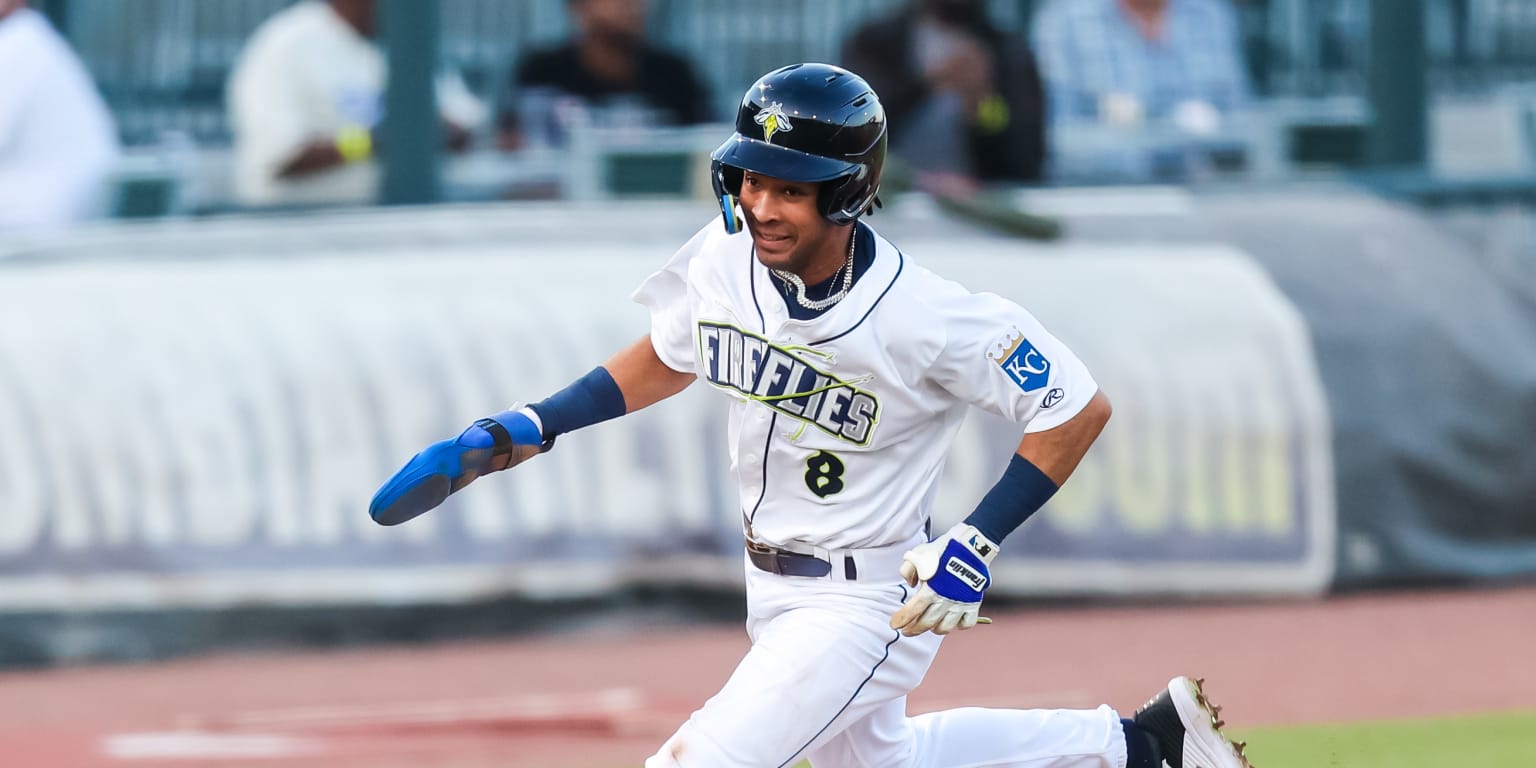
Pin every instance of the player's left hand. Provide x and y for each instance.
(445, 467)
(953, 574)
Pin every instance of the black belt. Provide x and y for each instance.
(786, 563)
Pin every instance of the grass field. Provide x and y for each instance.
(1506, 739)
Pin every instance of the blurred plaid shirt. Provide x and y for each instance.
(1089, 48)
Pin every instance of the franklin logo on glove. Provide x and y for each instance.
(958, 568)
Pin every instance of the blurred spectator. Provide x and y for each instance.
(306, 98)
(58, 143)
(1139, 64)
(609, 67)
(962, 96)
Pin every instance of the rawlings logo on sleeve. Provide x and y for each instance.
(782, 379)
(1021, 361)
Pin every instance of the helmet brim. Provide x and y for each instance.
(779, 162)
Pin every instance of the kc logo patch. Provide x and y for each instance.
(1021, 361)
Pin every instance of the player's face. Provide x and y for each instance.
(787, 227)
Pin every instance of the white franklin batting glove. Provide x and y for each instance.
(952, 570)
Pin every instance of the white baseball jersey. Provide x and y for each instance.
(838, 434)
(842, 422)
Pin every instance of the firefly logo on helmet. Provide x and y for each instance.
(773, 120)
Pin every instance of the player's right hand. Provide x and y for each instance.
(489, 445)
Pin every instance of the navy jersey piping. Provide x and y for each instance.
(763, 492)
(901, 263)
(752, 288)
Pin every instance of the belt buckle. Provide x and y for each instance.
(772, 563)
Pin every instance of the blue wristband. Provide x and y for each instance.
(1022, 491)
(589, 400)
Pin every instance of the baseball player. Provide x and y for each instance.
(850, 367)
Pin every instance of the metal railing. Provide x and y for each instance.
(1322, 47)
(162, 64)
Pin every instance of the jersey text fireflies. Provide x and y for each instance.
(785, 381)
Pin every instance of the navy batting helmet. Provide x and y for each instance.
(807, 123)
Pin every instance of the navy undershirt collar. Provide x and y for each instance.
(863, 257)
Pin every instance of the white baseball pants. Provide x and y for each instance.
(827, 680)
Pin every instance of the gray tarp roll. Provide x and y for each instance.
(1427, 351)
(1428, 355)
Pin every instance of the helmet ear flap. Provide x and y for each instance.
(832, 197)
(726, 178)
(845, 199)
(727, 183)
(730, 178)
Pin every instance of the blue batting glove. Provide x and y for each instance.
(951, 575)
(489, 445)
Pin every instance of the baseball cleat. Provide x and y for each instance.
(1187, 728)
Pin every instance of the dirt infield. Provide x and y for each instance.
(606, 700)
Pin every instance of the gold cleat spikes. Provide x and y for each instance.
(1239, 746)
(1214, 712)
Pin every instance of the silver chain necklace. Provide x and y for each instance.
(820, 304)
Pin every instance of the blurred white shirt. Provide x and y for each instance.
(304, 76)
(58, 142)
